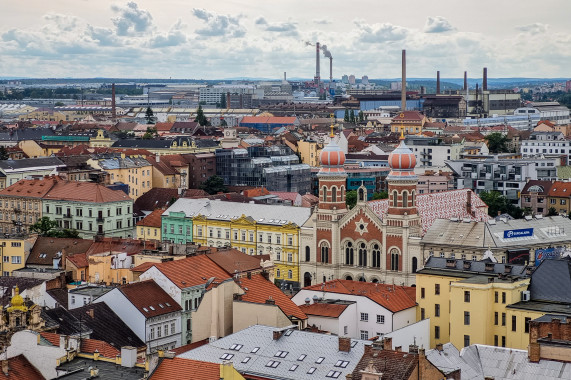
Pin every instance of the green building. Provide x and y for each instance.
(177, 227)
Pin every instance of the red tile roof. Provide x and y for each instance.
(267, 120)
(163, 127)
(47, 248)
(79, 260)
(407, 116)
(32, 188)
(149, 298)
(87, 345)
(21, 369)
(560, 189)
(392, 297)
(186, 369)
(85, 192)
(259, 290)
(143, 267)
(189, 347)
(153, 219)
(53, 338)
(233, 260)
(192, 271)
(129, 246)
(332, 310)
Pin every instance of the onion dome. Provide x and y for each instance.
(17, 302)
(402, 162)
(332, 159)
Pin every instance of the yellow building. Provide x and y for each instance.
(14, 252)
(136, 172)
(43, 115)
(149, 228)
(309, 152)
(100, 140)
(32, 149)
(467, 301)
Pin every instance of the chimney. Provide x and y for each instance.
(485, 80)
(5, 366)
(438, 83)
(344, 344)
(270, 301)
(285, 77)
(403, 83)
(465, 80)
(469, 203)
(439, 347)
(228, 98)
(113, 108)
(317, 65)
(330, 71)
(413, 349)
(277, 334)
(249, 275)
(398, 348)
(387, 343)
(90, 313)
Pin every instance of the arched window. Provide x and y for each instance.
(361, 195)
(333, 194)
(278, 273)
(376, 256)
(324, 253)
(349, 257)
(324, 190)
(395, 259)
(306, 279)
(395, 198)
(414, 264)
(349, 278)
(413, 198)
(405, 199)
(342, 194)
(307, 253)
(362, 255)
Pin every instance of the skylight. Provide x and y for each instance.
(227, 356)
(161, 305)
(311, 370)
(236, 347)
(246, 359)
(256, 349)
(152, 308)
(288, 332)
(353, 344)
(320, 360)
(333, 374)
(301, 357)
(146, 310)
(293, 367)
(281, 354)
(273, 364)
(168, 304)
(341, 363)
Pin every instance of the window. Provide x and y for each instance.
(364, 334)
(246, 359)
(311, 370)
(302, 356)
(79, 212)
(236, 347)
(324, 253)
(395, 259)
(16, 260)
(503, 341)
(362, 255)
(365, 317)
(227, 356)
(58, 210)
(119, 224)
(320, 360)
(293, 367)
(281, 354)
(422, 313)
(514, 323)
(290, 240)
(289, 257)
(496, 318)
(152, 333)
(503, 319)
(436, 289)
(436, 310)
(349, 259)
(467, 296)
(503, 297)
(495, 340)
(278, 239)
(16, 244)
(289, 274)
(341, 363)
(466, 340)
(7, 258)
(173, 328)
(269, 238)
(79, 225)
(273, 364)
(496, 297)
(466, 318)
(436, 332)
(526, 327)
(159, 332)
(255, 349)
(376, 256)
(345, 330)
(380, 318)
(422, 292)
(333, 374)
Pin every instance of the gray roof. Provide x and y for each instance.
(79, 369)
(127, 162)
(261, 213)
(549, 317)
(26, 134)
(476, 267)
(546, 231)
(479, 362)
(551, 281)
(27, 163)
(293, 342)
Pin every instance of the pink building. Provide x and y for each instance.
(435, 182)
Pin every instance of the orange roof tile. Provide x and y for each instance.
(259, 290)
(332, 310)
(85, 192)
(143, 267)
(192, 271)
(392, 297)
(79, 260)
(129, 246)
(53, 338)
(32, 188)
(560, 189)
(149, 298)
(153, 219)
(188, 347)
(21, 369)
(185, 369)
(89, 346)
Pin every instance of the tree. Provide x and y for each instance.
(150, 133)
(361, 116)
(223, 123)
(380, 195)
(351, 198)
(150, 116)
(352, 116)
(200, 118)
(346, 117)
(44, 226)
(214, 185)
(497, 142)
(551, 211)
(498, 203)
(60, 104)
(4, 153)
(223, 101)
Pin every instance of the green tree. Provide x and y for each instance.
(352, 116)
(346, 117)
(4, 153)
(497, 142)
(223, 101)
(551, 211)
(200, 118)
(223, 123)
(498, 203)
(59, 104)
(44, 226)
(380, 195)
(151, 133)
(150, 116)
(361, 116)
(214, 185)
(351, 198)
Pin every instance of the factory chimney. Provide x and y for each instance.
(113, 108)
(438, 83)
(465, 80)
(285, 77)
(485, 80)
(317, 74)
(330, 70)
(403, 83)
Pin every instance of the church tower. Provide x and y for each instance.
(402, 220)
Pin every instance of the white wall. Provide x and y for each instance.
(170, 338)
(418, 333)
(126, 311)
(404, 318)
(75, 300)
(167, 285)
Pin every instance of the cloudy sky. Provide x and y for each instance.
(209, 39)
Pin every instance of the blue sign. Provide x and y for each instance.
(547, 253)
(524, 232)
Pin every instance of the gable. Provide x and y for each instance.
(360, 223)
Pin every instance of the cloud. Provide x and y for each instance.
(321, 22)
(174, 37)
(131, 19)
(379, 33)
(535, 28)
(437, 24)
(219, 25)
(284, 28)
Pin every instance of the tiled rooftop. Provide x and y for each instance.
(149, 298)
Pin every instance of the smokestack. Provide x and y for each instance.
(317, 65)
(285, 77)
(113, 109)
(465, 80)
(485, 80)
(438, 83)
(403, 83)
(330, 70)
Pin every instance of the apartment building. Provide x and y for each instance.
(136, 172)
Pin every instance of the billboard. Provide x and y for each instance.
(524, 232)
(548, 253)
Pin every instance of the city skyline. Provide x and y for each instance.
(263, 39)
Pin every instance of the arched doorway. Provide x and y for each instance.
(349, 278)
(375, 280)
(306, 279)
(414, 264)
(362, 279)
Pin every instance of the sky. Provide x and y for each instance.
(215, 39)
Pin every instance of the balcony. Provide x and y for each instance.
(67, 216)
(100, 219)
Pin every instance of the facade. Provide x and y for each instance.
(15, 170)
(466, 300)
(558, 197)
(534, 196)
(177, 145)
(149, 228)
(201, 166)
(435, 183)
(14, 251)
(548, 144)
(409, 122)
(136, 172)
(309, 152)
(149, 311)
(431, 152)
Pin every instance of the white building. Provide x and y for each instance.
(552, 111)
(84, 295)
(149, 311)
(213, 94)
(359, 310)
(546, 144)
